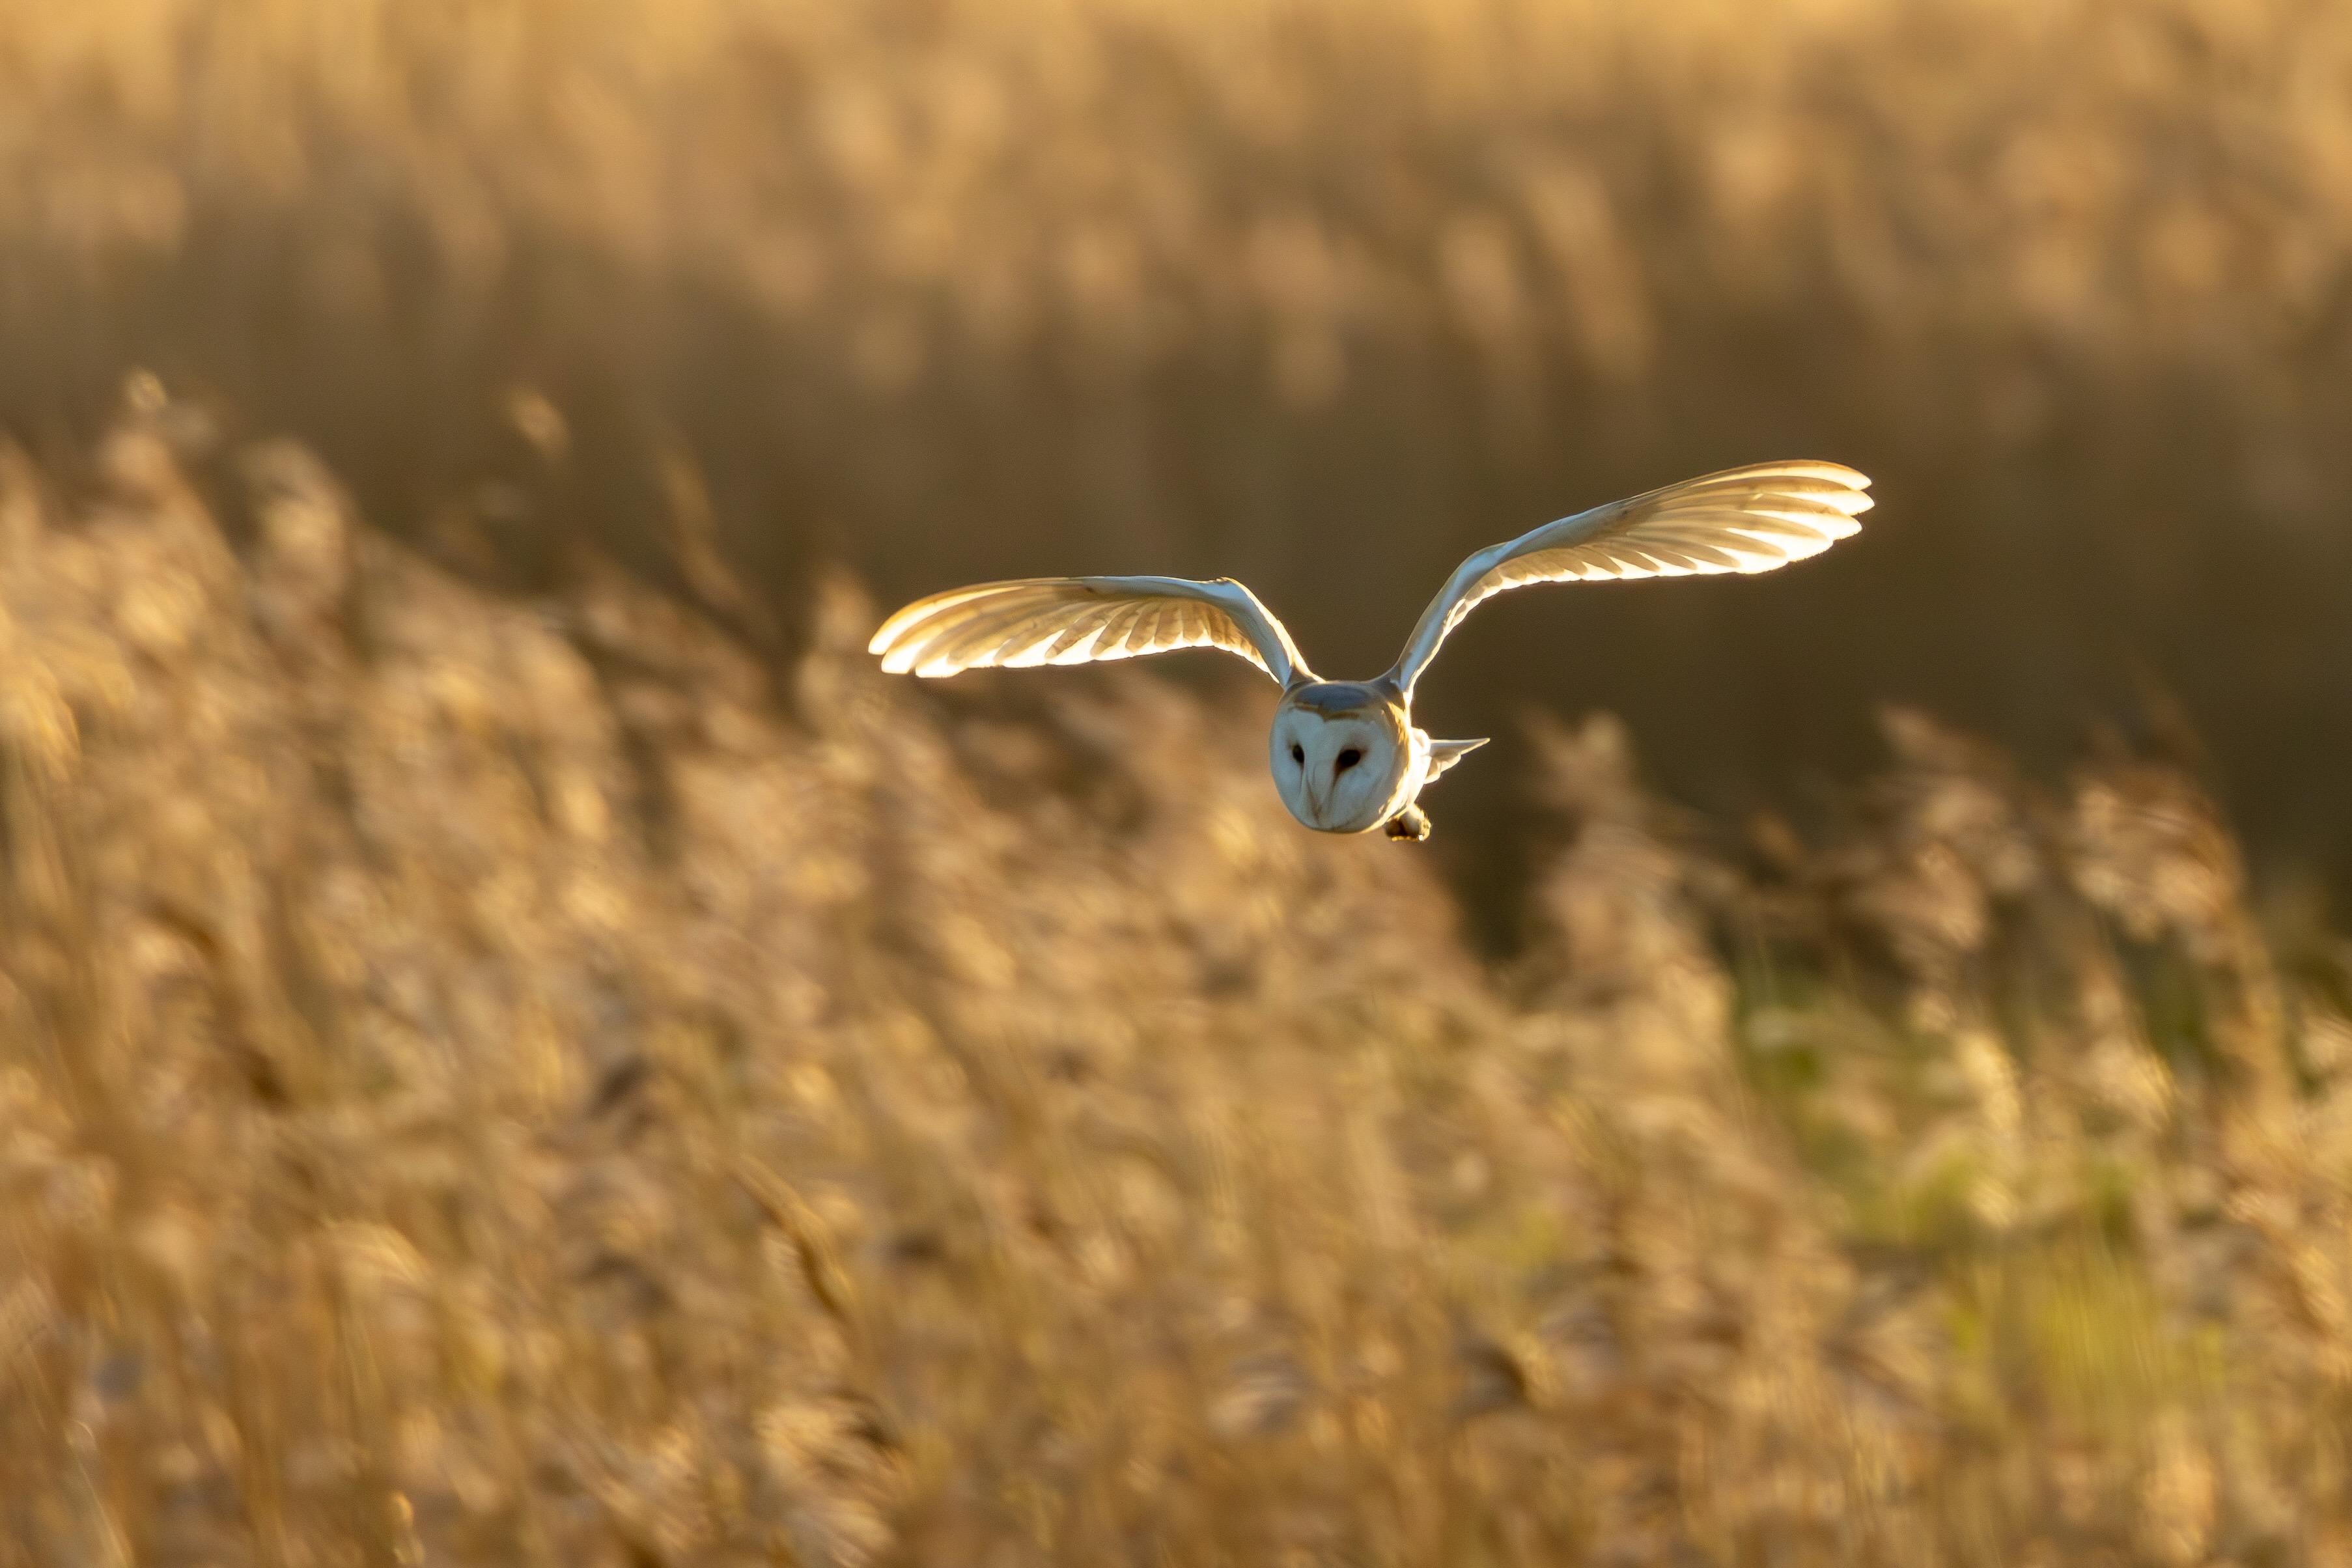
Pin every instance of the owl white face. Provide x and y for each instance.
(1338, 765)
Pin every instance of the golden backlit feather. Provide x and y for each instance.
(1742, 519)
(1081, 620)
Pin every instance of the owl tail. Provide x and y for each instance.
(1444, 755)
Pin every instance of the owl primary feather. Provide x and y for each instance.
(1347, 757)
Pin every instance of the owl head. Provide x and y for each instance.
(1340, 752)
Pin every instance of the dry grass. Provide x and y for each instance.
(517, 1046)
(482, 1086)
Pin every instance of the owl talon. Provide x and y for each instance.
(1412, 823)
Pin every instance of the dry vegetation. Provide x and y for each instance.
(517, 1046)
(481, 1085)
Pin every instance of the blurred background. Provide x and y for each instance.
(518, 1045)
(1318, 296)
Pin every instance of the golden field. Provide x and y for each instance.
(518, 1044)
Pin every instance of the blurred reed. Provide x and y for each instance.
(482, 1084)
(516, 1045)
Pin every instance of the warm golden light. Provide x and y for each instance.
(519, 1042)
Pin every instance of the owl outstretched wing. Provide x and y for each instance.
(1742, 519)
(1079, 620)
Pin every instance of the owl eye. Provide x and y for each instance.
(1348, 759)
(1297, 753)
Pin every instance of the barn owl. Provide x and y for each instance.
(1345, 756)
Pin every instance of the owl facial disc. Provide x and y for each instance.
(1343, 757)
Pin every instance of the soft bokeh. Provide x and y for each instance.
(518, 1044)
(1321, 294)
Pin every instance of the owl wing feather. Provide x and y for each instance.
(1082, 620)
(1742, 519)
(1444, 755)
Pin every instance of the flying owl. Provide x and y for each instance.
(1345, 756)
